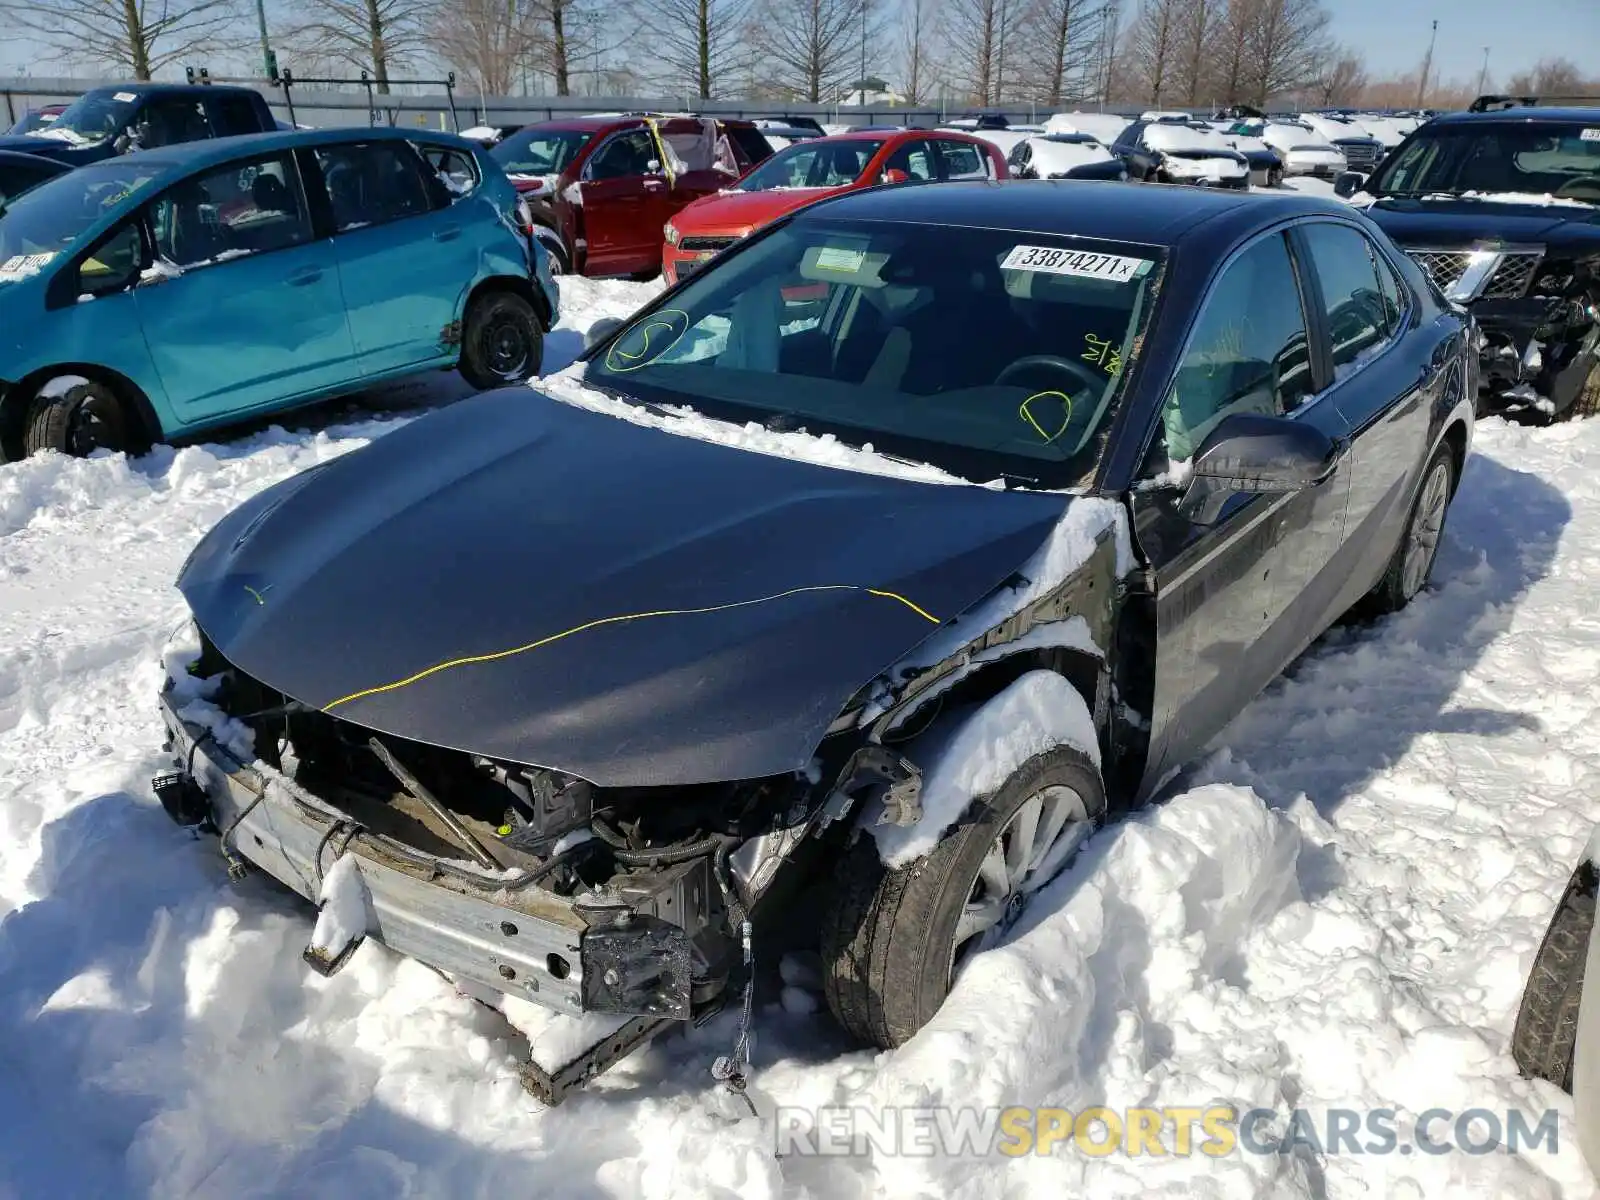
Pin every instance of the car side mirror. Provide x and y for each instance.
(601, 330)
(1348, 184)
(1257, 454)
(895, 175)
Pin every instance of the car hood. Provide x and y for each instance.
(1449, 223)
(57, 149)
(733, 212)
(528, 580)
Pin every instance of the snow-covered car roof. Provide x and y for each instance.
(1105, 126)
(1294, 135)
(1162, 136)
(1055, 153)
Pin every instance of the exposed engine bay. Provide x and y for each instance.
(1538, 351)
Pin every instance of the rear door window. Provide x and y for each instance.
(233, 115)
(1352, 295)
(372, 183)
(252, 206)
(171, 120)
(963, 160)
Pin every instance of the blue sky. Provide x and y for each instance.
(1392, 34)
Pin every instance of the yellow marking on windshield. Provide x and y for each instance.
(638, 616)
(644, 358)
(1027, 414)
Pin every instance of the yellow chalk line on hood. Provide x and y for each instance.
(638, 616)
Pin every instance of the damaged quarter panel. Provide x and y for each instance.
(706, 622)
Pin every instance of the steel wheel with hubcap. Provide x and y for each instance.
(1412, 563)
(894, 940)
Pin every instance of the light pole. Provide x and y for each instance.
(861, 80)
(1427, 65)
(269, 61)
(1483, 74)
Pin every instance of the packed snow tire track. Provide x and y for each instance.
(1336, 908)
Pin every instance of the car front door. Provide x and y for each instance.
(1129, 146)
(242, 309)
(1223, 582)
(623, 201)
(405, 264)
(1387, 382)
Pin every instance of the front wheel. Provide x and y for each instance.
(1412, 564)
(1546, 1032)
(893, 941)
(502, 342)
(1275, 177)
(77, 417)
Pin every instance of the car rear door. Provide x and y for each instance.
(1388, 375)
(1225, 622)
(245, 309)
(623, 204)
(405, 266)
(962, 160)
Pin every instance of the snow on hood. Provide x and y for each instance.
(1050, 157)
(1186, 137)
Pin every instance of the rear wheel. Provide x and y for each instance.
(1274, 176)
(894, 940)
(1413, 559)
(502, 342)
(557, 251)
(77, 418)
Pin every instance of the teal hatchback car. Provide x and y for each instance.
(163, 293)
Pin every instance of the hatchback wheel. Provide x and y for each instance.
(503, 342)
(77, 419)
(1275, 177)
(1413, 559)
(1546, 1032)
(894, 941)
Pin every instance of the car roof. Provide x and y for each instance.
(20, 159)
(1522, 113)
(583, 124)
(1159, 216)
(180, 159)
(171, 89)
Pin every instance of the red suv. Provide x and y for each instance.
(597, 190)
(810, 170)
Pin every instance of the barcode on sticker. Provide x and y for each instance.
(1055, 261)
(837, 258)
(1590, 135)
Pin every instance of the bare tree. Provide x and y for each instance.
(700, 45)
(134, 37)
(1285, 42)
(1231, 55)
(1341, 80)
(1551, 76)
(978, 33)
(1154, 47)
(488, 41)
(810, 47)
(378, 36)
(919, 19)
(1064, 38)
(1198, 21)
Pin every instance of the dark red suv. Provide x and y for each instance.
(599, 189)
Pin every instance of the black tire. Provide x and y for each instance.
(1274, 177)
(77, 420)
(1587, 403)
(1547, 1023)
(888, 937)
(560, 264)
(1399, 587)
(502, 341)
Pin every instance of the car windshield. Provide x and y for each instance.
(48, 219)
(990, 353)
(31, 120)
(813, 164)
(540, 151)
(1521, 158)
(91, 118)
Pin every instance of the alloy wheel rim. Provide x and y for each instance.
(1426, 528)
(1032, 848)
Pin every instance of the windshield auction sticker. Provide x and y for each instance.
(1053, 260)
(23, 265)
(1590, 135)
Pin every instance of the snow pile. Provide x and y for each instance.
(969, 754)
(1336, 909)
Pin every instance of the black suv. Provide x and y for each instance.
(1500, 205)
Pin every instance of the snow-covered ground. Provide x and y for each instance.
(1336, 909)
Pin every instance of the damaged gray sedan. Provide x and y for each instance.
(855, 579)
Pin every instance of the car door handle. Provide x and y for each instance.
(447, 235)
(304, 277)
